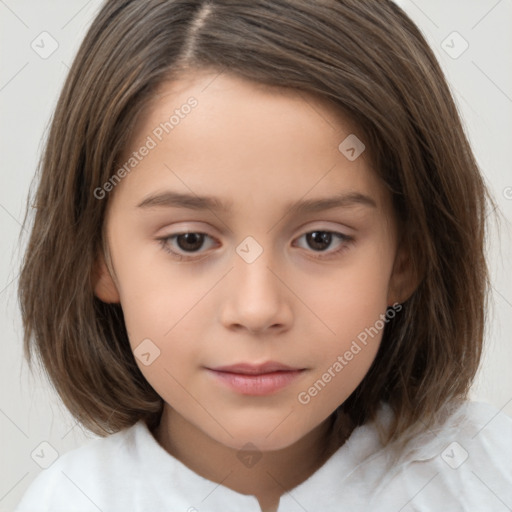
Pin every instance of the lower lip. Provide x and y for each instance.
(257, 385)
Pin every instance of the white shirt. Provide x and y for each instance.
(466, 465)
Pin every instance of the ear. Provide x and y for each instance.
(104, 286)
(404, 277)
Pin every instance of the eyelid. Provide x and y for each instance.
(331, 226)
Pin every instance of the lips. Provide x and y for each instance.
(255, 369)
(256, 380)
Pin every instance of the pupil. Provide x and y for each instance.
(193, 241)
(319, 239)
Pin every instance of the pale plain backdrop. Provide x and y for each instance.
(38, 39)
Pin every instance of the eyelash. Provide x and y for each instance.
(345, 240)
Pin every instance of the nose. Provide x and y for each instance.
(256, 298)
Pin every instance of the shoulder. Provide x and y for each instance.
(463, 463)
(79, 476)
(476, 431)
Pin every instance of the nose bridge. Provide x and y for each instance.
(256, 297)
(252, 274)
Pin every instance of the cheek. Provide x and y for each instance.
(351, 306)
(342, 360)
(164, 315)
(156, 294)
(352, 296)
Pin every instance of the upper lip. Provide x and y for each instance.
(255, 369)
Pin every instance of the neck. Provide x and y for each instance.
(275, 473)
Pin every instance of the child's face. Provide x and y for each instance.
(257, 151)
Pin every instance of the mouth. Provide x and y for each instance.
(256, 380)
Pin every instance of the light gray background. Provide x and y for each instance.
(481, 80)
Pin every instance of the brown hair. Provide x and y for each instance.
(367, 58)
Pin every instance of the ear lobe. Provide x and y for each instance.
(104, 286)
(404, 278)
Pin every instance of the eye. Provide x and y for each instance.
(320, 241)
(185, 246)
(190, 242)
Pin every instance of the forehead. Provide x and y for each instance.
(243, 142)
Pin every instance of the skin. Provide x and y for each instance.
(259, 148)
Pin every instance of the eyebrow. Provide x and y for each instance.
(171, 199)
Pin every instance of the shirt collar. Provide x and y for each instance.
(193, 492)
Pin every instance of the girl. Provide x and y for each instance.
(257, 267)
